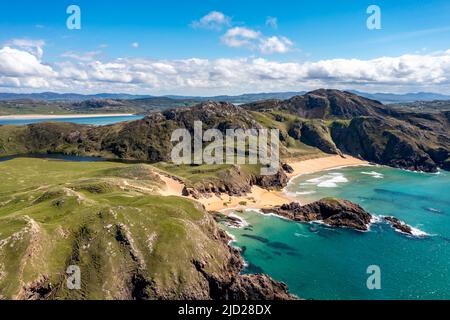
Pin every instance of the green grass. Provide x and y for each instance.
(290, 148)
(54, 214)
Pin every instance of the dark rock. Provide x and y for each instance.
(399, 225)
(287, 168)
(232, 285)
(334, 212)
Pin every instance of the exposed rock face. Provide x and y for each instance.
(391, 143)
(399, 225)
(236, 182)
(334, 212)
(287, 168)
(271, 182)
(258, 287)
(367, 129)
(235, 286)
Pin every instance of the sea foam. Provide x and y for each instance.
(331, 180)
(374, 174)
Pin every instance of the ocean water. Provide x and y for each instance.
(99, 121)
(319, 262)
(55, 156)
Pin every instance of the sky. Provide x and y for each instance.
(211, 47)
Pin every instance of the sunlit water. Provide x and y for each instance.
(99, 121)
(320, 262)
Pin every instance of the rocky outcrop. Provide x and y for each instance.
(236, 182)
(334, 212)
(287, 168)
(399, 225)
(258, 287)
(232, 285)
(271, 182)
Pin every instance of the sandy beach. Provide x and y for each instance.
(62, 116)
(323, 163)
(262, 198)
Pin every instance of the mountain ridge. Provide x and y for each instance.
(329, 121)
(241, 98)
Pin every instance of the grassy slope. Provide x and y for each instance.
(291, 147)
(54, 214)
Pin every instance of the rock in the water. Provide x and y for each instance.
(399, 225)
(334, 212)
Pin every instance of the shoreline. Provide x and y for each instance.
(260, 198)
(63, 116)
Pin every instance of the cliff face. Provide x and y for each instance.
(341, 122)
(235, 181)
(394, 143)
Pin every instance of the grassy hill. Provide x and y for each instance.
(128, 244)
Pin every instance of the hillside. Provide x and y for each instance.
(322, 121)
(337, 121)
(128, 241)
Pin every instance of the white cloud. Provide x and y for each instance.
(35, 47)
(21, 70)
(214, 20)
(272, 22)
(255, 40)
(85, 56)
(275, 45)
(14, 62)
(135, 44)
(240, 37)
(244, 37)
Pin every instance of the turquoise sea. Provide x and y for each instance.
(99, 121)
(320, 262)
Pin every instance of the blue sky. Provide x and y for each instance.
(304, 32)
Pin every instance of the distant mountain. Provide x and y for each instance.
(329, 121)
(386, 98)
(401, 98)
(322, 104)
(436, 105)
(53, 96)
(243, 98)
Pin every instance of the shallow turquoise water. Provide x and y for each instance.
(319, 262)
(99, 121)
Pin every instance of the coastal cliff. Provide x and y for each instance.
(127, 241)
